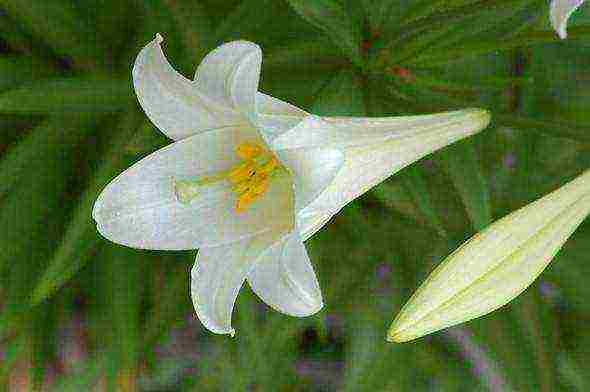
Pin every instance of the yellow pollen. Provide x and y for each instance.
(255, 190)
(248, 150)
(242, 172)
(249, 179)
(269, 166)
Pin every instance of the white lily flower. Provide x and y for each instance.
(560, 12)
(496, 265)
(249, 177)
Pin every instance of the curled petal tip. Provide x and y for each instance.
(561, 11)
(159, 38)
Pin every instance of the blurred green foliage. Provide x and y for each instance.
(80, 313)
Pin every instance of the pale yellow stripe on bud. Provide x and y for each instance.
(496, 265)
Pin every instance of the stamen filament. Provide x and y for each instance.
(249, 179)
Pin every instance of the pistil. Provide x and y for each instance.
(249, 179)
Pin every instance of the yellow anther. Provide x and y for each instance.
(241, 187)
(242, 172)
(249, 179)
(269, 166)
(251, 194)
(247, 150)
(244, 201)
(260, 185)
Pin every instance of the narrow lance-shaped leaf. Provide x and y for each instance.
(81, 237)
(66, 33)
(33, 214)
(121, 285)
(460, 162)
(45, 140)
(67, 95)
(416, 186)
(496, 265)
(343, 95)
(331, 17)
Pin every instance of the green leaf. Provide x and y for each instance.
(308, 57)
(14, 349)
(58, 25)
(331, 16)
(297, 87)
(15, 70)
(246, 21)
(41, 328)
(379, 12)
(170, 299)
(194, 25)
(123, 283)
(81, 238)
(412, 39)
(476, 19)
(548, 127)
(43, 142)
(479, 47)
(33, 213)
(462, 165)
(85, 377)
(67, 95)
(342, 96)
(416, 186)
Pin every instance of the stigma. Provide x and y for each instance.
(249, 179)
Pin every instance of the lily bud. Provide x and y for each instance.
(496, 265)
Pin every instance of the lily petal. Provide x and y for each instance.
(172, 102)
(560, 12)
(139, 208)
(217, 276)
(230, 74)
(496, 265)
(284, 278)
(344, 132)
(311, 222)
(276, 117)
(313, 170)
(272, 106)
(369, 160)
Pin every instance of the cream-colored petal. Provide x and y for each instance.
(313, 170)
(276, 117)
(230, 74)
(217, 276)
(172, 102)
(346, 132)
(311, 222)
(560, 12)
(140, 209)
(366, 165)
(272, 106)
(284, 278)
(496, 265)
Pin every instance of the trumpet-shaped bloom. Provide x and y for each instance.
(560, 12)
(496, 265)
(250, 177)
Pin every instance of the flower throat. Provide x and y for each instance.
(249, 179)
